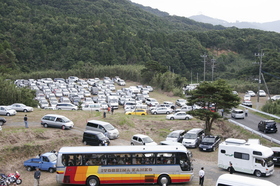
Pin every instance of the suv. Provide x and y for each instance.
(66, 106)
(237, 113)
(58, 121)
(267, 126)
(193, 137)
(95, 138)
(141, 139)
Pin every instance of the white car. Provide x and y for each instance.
(179, 115)
(181, 102)
(19, 107)
(7, 111)
(262, 93)
(247, 97)
(275, 97)
(251, 93)
(185, 108)
(162, 110)
(141, 139)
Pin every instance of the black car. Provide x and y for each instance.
(209, 143)
(276, 155)
(2, 121)
(95, 138)
(267, 126)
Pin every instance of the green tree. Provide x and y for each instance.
(216, 93)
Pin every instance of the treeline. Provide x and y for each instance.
(60, 35)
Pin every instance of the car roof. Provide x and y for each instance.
(177, 131)
(140, 135)
(194, 130)
(55, 115)
(92, 132)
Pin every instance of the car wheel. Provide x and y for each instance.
(142, 114)
(167, 112)
(187, 118)
(92, 181)
(63, 127)
(59, 109)
(155, 113)
(84, 142)
(171, 118)
(73, 109)
(258, 173)
(1, 123)
(129, 114)
(51, 170)
(24, 110)
(131, 143)
(8, 114)
(214, 148)
(46, 125)
(29, 168)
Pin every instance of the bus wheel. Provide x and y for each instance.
(164, 180)
(258, 173)
(92, 181)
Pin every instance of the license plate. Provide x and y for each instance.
(204, 148)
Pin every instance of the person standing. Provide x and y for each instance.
(104, 114)
(201, 176)
(109, 109)
(37, 175)
(112, 110)
(230, 169)
(25, 121)
(246, 112)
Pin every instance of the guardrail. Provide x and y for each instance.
(254, 131)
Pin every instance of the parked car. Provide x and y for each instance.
(151, 102)
(247, 97)
(251, 93)
(58, 121)
(262, 93)
(66, 106)
(238, 114)
(2, 121)
(176, 136)
(44, 103)
(275, 97)
(179, 115)
(276, 155)
(209, 143)
(185, 108)
(19, 107)
(175, 144)
(162, 110)
(95, 138)
(137, 112)
(193, 137)
(267, 126)
(141, 139)
(46, 162)
(92, 107)
(181, 102)
(247, 103)
(7, 111)
(108, 129)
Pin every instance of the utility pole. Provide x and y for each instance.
(213, 66)
(204, 61)
(260, 55)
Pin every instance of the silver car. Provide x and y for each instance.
(19, 107)
(7, 111)
(162, 110)
(58, 121)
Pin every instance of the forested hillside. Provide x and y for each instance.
(38, 35)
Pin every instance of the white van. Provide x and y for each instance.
(109, 130)
(236, 180)
(246, 157)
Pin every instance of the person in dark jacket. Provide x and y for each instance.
(37, 175)
(230, 169)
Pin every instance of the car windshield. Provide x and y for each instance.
(101, 135)
(173, 135)
(269, 161)
(270, 124)
(64, 119)
(208, 140)
(189, 136)
(52, 157)
(147, 140)
(109, 127)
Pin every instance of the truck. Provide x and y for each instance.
(250, 158)
(46, 162)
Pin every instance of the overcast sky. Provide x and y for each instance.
(229, 10)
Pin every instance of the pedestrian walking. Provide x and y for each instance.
(109, 109)
(25, 121)
(246, 112)
(112, 110)
(201, 174)
(230, 169)
(37, 175)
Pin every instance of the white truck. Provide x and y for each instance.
(246, 157)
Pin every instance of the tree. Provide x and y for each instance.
(212, 96)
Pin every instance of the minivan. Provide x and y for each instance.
(66, 106)
(236, 180)
(95, 138)
(58, 121)
(237, 114)
(109, 130)
(267, 126)
(193, 137)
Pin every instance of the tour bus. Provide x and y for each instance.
(246, 157)
(236, 180)
(93, 166)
